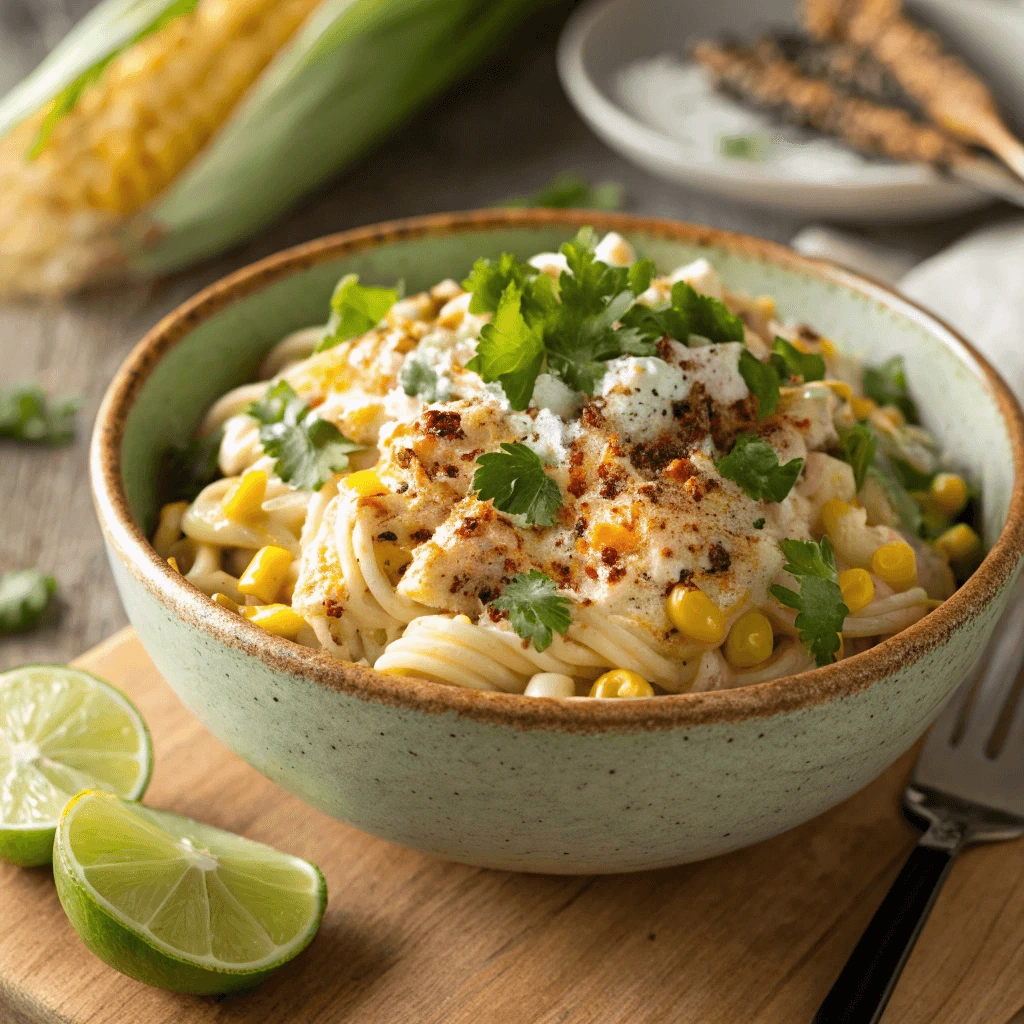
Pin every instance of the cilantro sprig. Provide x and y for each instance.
(355, 309)
(515, 480)
(535, 608)
(26, 414)
(887, 385)
(792, 363)
(754, 465)
(571, 330)
(307, 449)
(819, 602)
(860, 446)
(573, 191)
(24, 596)
(510, 349)
(762, 379)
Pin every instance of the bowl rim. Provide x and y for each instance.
(786, 694)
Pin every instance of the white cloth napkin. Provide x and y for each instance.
(976, 285)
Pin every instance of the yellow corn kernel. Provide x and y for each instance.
(765, 306)
(225, 602)
(800, 345)
(858, 589)
(621, 682)
(365, 483)
(841, 389)
(959, 543)
(949, 492)
(265, 574)
(244, 501)
(391, 559)
(896, 564)
(611, 535)
(693, 613)
(832, 511)
(278, 619)
(828, 349)
(862, 408)
(750, 641)
(173, 563)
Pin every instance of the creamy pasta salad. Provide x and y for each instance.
(572, 476)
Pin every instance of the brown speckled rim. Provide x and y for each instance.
(788, 694)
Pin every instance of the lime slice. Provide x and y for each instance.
(179, 904)
(62, 731)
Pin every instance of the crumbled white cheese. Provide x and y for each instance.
(544, 434)
(701, 276)
(717, 367)
(550, 263)
(551, 393)
(639, 393)
(614, 250)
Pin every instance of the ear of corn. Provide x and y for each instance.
(161, 131)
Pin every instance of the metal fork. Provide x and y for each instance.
(967, 787)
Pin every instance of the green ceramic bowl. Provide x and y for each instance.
(546, 784)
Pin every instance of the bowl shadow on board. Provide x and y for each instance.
(780, 915)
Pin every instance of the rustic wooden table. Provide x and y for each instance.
(503, 132)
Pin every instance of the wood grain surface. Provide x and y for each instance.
(503, 132)
(756, 936)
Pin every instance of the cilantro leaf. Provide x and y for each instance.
(763, 381)
(419, 380)
(819, 602)
(355, 309)
(489, 280)
(588, 284)
(806, 558)
(515, 479)
(307, 449)
(26, 414)
(535, 608)
(759, 523)
(24, 597)
(860, 445)
(189, 468)
(887, 385)
(572, 191)
(510, 350)
(791, 362)
(694, 313)
(754, 465)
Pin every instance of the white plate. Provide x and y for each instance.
(606, 38)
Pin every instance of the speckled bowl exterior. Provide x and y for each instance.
(547, 785)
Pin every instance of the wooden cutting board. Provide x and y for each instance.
(756, 936)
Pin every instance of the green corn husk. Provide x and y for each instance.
(349, 75)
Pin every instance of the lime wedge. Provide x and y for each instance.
(179, 904)
(62, 731)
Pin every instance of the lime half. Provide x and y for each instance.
(179, 904)
(62, 731)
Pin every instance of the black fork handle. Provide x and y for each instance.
(862, 990)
